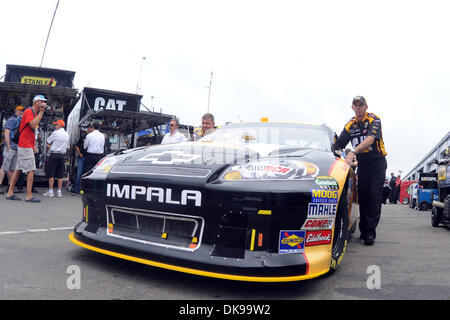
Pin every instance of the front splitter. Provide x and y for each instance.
(195, 271)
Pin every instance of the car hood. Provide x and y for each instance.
(213, 156)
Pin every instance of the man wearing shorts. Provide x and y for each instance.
(54, 168)
(10, 152)
(25, 151)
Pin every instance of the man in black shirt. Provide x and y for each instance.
(392, 184)
(364, 132)
(81, 153)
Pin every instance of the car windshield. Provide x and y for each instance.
(290, 135)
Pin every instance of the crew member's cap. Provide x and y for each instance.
(19, 108)
(39, 97)
(360, 99)
(60, 122)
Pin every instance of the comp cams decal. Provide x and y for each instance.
(318, 224)
(291, 241)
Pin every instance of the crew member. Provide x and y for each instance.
(207, 127)
(94, 145)
(57, 144)
(364, 131)
(25, 150)
(81, 157)
(174, 136)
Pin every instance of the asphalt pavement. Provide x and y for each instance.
(409, 260)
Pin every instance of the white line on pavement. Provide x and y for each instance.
(34, 231)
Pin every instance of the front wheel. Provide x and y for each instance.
(405, 200)
(340, 234)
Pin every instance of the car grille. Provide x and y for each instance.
(155, 228)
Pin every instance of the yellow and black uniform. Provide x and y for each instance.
(357, 131)
(371, 170)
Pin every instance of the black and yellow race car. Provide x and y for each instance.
(267, 202)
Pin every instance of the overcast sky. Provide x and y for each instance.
(297, 60)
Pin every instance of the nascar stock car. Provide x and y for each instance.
(268, 202)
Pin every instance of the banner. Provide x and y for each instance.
(98, 99)
(39, 76)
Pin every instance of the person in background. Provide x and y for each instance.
(386, 191)
(208, 126)
(392, 185)
(173, 136)
(94, 145)
(10, 150)
(25, 150)
(57, 144)
(398, 184)
(364, 132)
(81, 158)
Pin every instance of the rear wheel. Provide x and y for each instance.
(340, 234)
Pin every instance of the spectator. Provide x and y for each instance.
(25, 150)
(57, 144)
(173, 136)
(94, 145)
(10, 150)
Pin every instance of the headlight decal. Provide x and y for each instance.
(271, 170)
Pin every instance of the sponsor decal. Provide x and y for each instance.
(274, 169)
(327, 182)
(321, 210)
(292, 241)
(169, 157)
(317, 238)
(324, 196)
(317, 224)
(155, 194)
(38, 81)
(109, 104)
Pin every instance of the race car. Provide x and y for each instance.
(263, 202)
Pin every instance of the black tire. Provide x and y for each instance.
(405, 200)
(436, 217)
(423, 205)
(340, 234)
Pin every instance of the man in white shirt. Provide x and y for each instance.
(94, 145)
(174, 136)
(57, 145)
